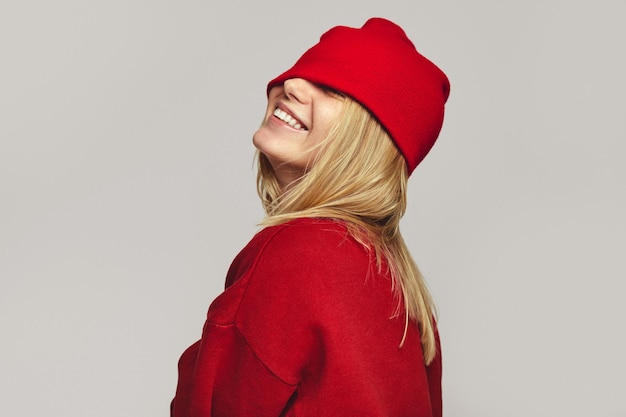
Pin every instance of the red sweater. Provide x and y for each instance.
(304, 329)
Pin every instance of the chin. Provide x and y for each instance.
(258, 140)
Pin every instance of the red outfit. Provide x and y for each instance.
(304, 328)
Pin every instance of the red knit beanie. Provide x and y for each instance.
(378, 66)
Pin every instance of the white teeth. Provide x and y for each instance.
(282, 115)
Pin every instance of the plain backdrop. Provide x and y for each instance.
(127, 187)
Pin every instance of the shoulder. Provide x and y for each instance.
(310, 247)
(310, 236)
(305, 262)
(294, 241)
(301, 247)
(291, 265)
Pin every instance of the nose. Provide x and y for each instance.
(298, 89)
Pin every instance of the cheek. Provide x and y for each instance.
(324, 123)
(328, 115)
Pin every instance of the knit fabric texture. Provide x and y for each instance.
(378, 66)
(306, 328)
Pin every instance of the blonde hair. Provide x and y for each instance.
(358, 176)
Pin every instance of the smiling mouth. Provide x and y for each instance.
(289, 119)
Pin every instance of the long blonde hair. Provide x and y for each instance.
(358, 176)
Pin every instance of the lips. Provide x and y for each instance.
(289, 119)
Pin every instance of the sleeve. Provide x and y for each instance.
(219, 376)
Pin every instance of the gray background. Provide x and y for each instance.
(127, 187)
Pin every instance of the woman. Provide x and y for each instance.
(325, 312)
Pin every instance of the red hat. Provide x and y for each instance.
(378, 66)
